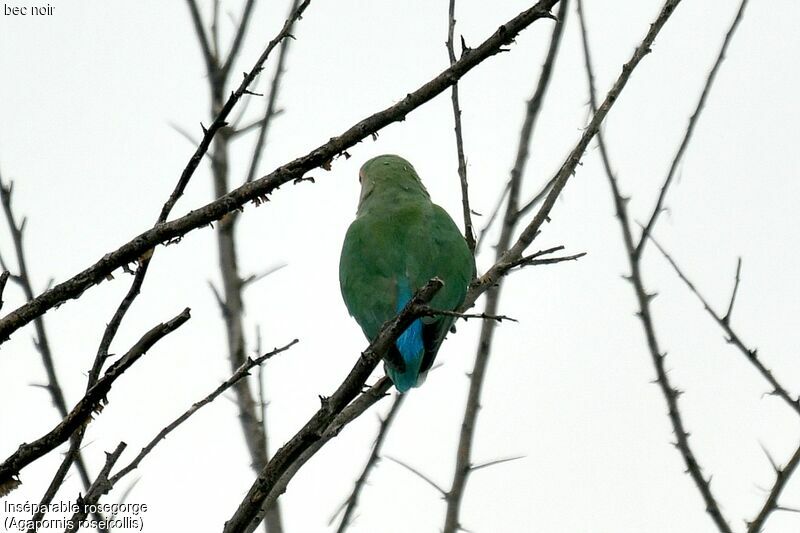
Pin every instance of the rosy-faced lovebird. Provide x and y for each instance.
(397, 243)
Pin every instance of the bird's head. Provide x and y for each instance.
(389, 177)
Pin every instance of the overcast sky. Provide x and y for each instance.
(88, 98)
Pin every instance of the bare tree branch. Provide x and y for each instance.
(689, 130)
(92, 402)
(469, 232)
(214, 29)
(197, 21)
(644, 298)
(99, 487)
(351, 503)
(462, 469)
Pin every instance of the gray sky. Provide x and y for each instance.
(86, 102)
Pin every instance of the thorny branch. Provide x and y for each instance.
(781, 475)
(644, 298)
(659, 207)
(732, 337)
(464, 451)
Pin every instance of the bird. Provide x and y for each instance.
(399, 241)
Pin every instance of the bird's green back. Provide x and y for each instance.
(397, 243)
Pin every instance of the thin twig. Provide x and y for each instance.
(429, 311)
(420, 475)
(729, 312)
(537, 198)
(782, 475)
(531, 260)
(215, 28)
(188, 136)
(492, 217)
(209, 58)
(496, 462)
(469, 232)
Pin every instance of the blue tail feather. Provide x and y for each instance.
(409, 344)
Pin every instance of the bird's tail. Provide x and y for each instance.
(411, 348)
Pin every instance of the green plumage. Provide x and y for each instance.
(398, 241)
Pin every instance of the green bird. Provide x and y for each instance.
(397, 243)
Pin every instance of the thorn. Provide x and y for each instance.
(465, 50)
